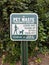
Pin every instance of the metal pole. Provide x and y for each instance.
(24, 52)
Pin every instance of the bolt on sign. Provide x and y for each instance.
(23, 26)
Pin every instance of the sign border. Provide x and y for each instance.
(23, 14)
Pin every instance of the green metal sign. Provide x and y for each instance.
(23, 26)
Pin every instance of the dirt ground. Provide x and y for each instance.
(44, 60)
(32, 60)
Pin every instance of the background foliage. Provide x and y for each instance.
(12, 49)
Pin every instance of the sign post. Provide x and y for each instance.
(24, 52)
(24, 28)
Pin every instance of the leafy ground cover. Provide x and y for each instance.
(39, 60)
